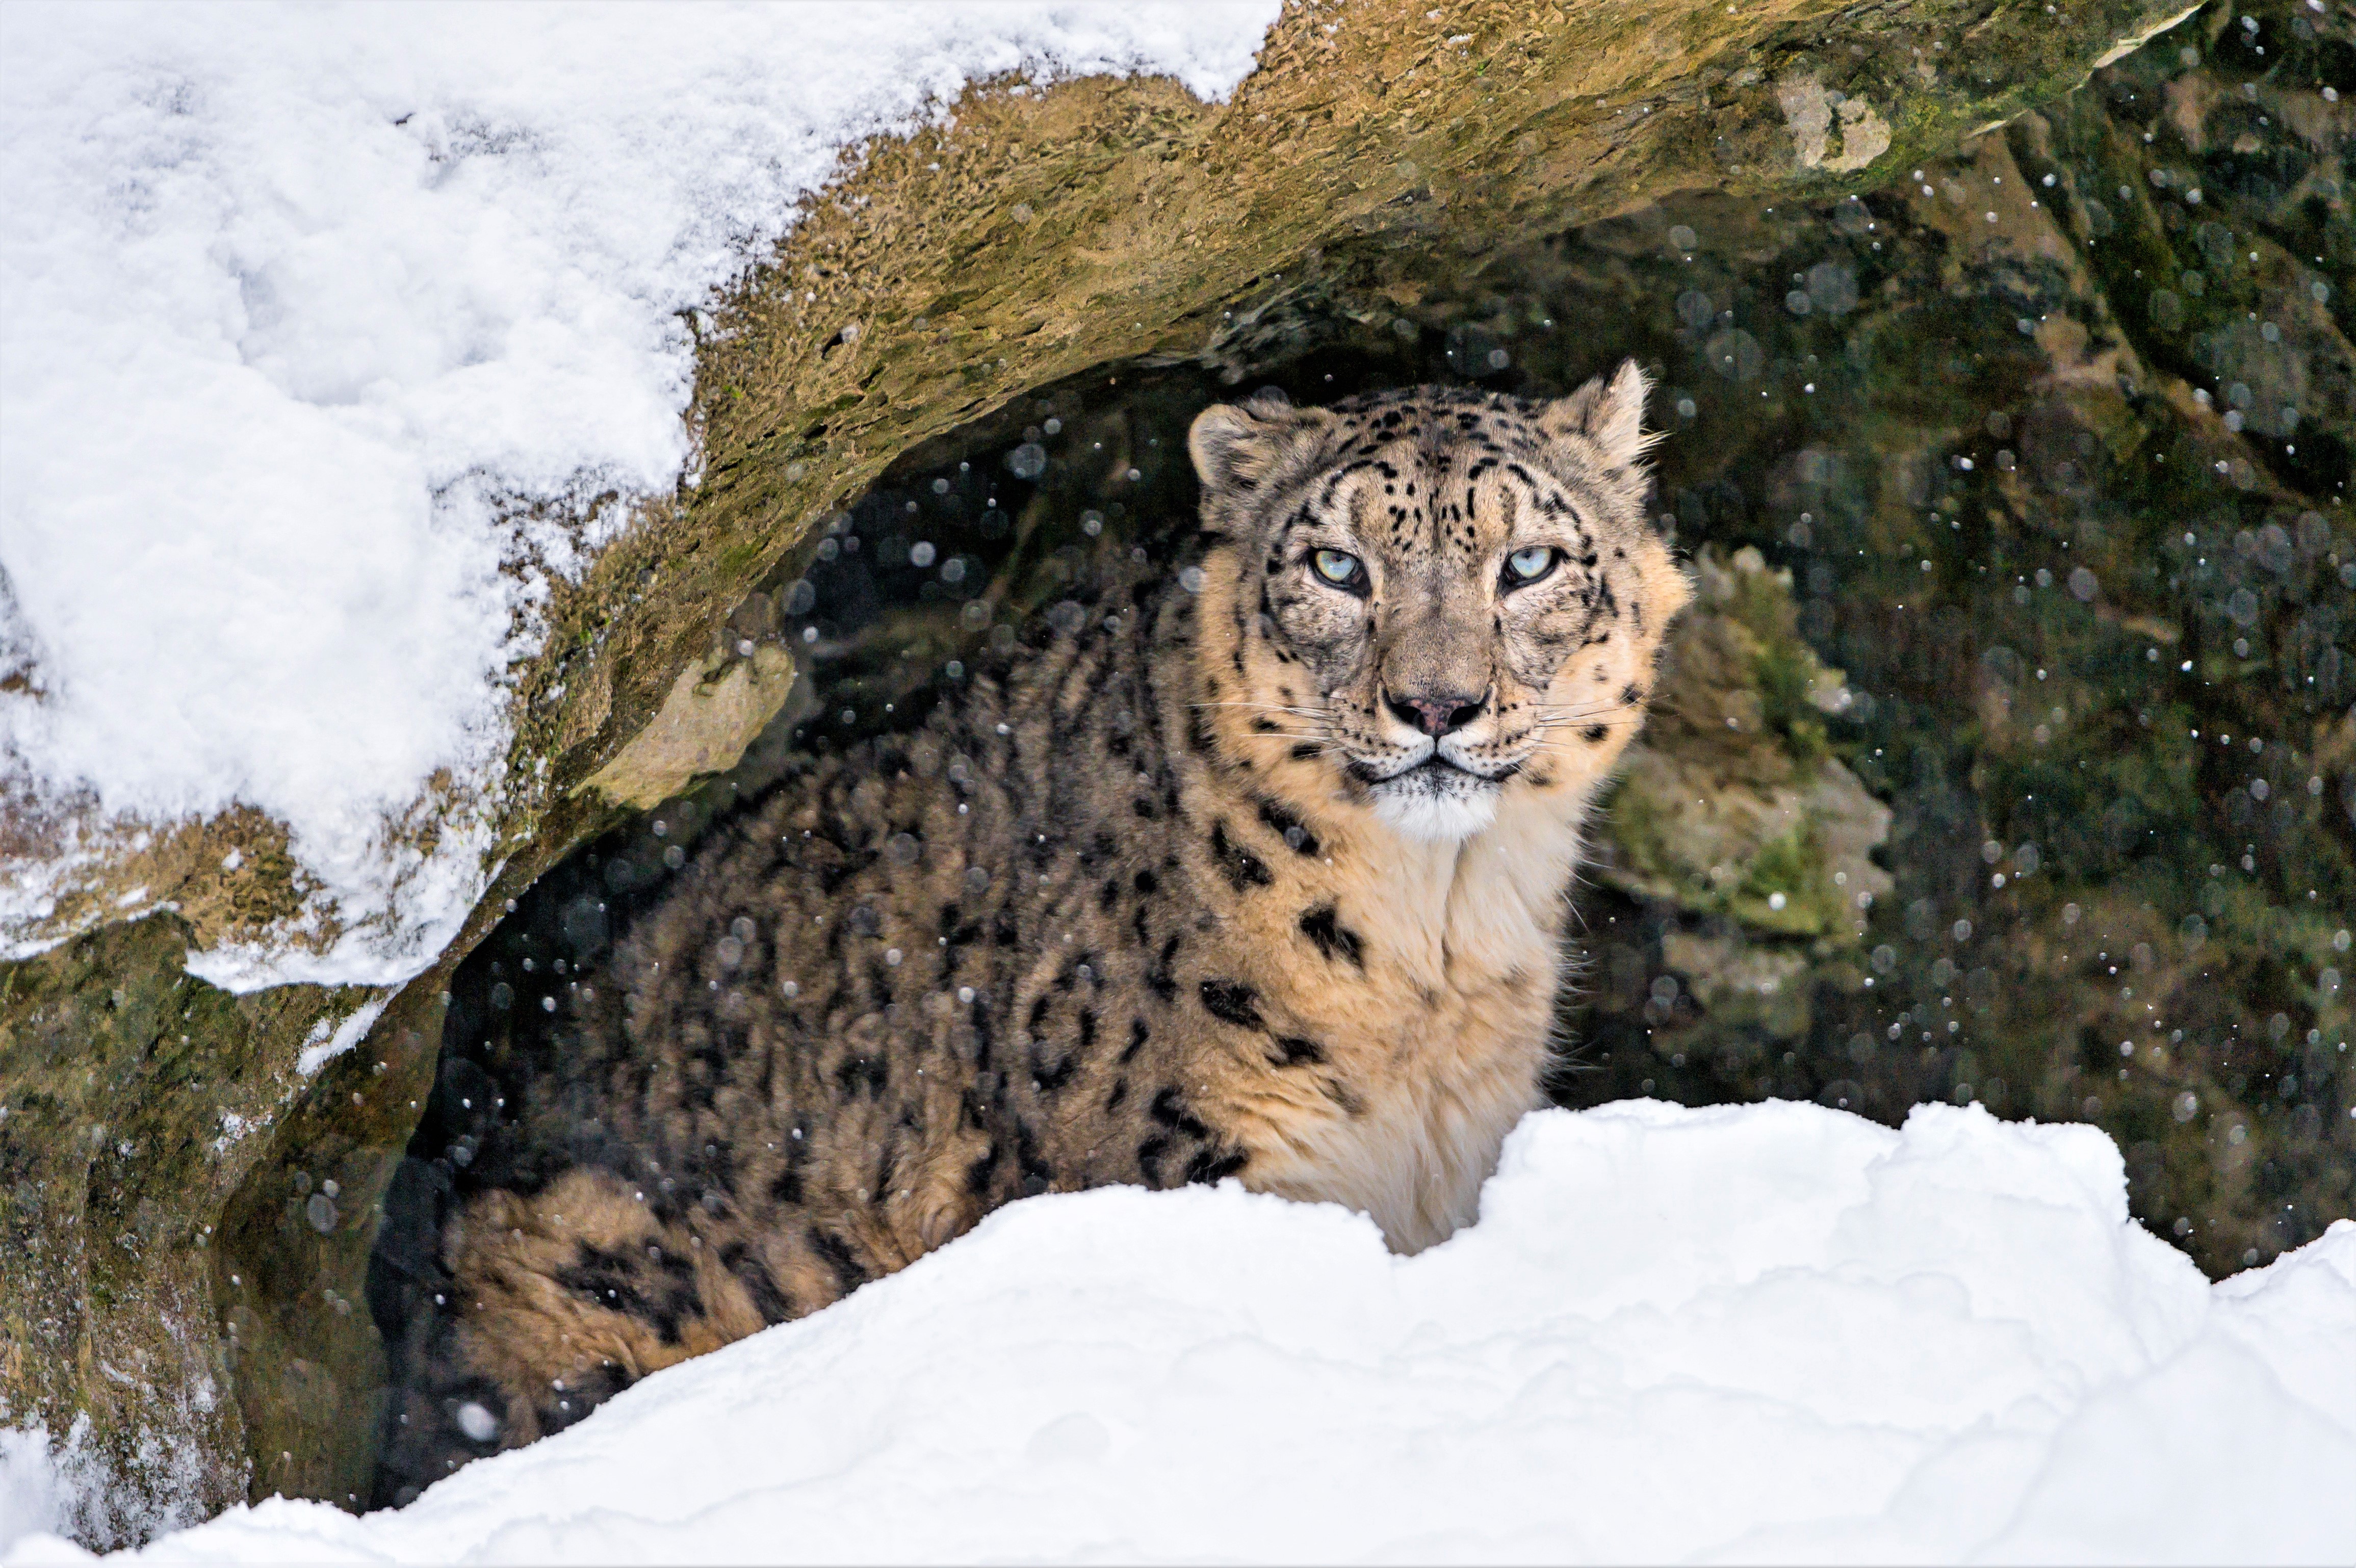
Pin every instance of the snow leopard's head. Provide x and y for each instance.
(1437, 594)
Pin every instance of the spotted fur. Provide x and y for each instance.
(1262, 877)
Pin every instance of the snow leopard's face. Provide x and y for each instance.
(1442, 591)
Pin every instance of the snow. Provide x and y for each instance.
(1770, 1332)
(33, 1484)
(61, 1484)
(330, 1038)
(300, 301)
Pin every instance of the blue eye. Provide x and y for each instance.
(1527, 565)
(1337, 567)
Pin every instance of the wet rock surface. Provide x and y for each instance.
(138, 1101)
(2002, 480)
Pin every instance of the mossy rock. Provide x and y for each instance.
(1732, 804)
(138, 1101)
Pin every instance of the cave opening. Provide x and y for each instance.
(1926, 813)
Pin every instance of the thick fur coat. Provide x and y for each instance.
(1260, 873)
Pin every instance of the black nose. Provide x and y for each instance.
(1436, 713)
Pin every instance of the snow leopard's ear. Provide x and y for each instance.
(1611, 415)
(1235, 447)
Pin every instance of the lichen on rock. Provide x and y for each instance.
(1731, 803)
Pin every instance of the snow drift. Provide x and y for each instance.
(1772, 1332)
(302, 301)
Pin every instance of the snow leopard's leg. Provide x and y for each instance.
(545, 1306)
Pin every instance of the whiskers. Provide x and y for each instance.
(1581, 722)
(1556, 715)
(1315, 714)
(1561, 729)
(1608, 715)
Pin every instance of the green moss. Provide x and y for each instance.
(1791, 867)
(1639, 831)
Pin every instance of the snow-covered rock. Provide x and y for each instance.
(1772, 1332)
(304, 307)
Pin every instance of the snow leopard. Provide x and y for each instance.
(1256, 872)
